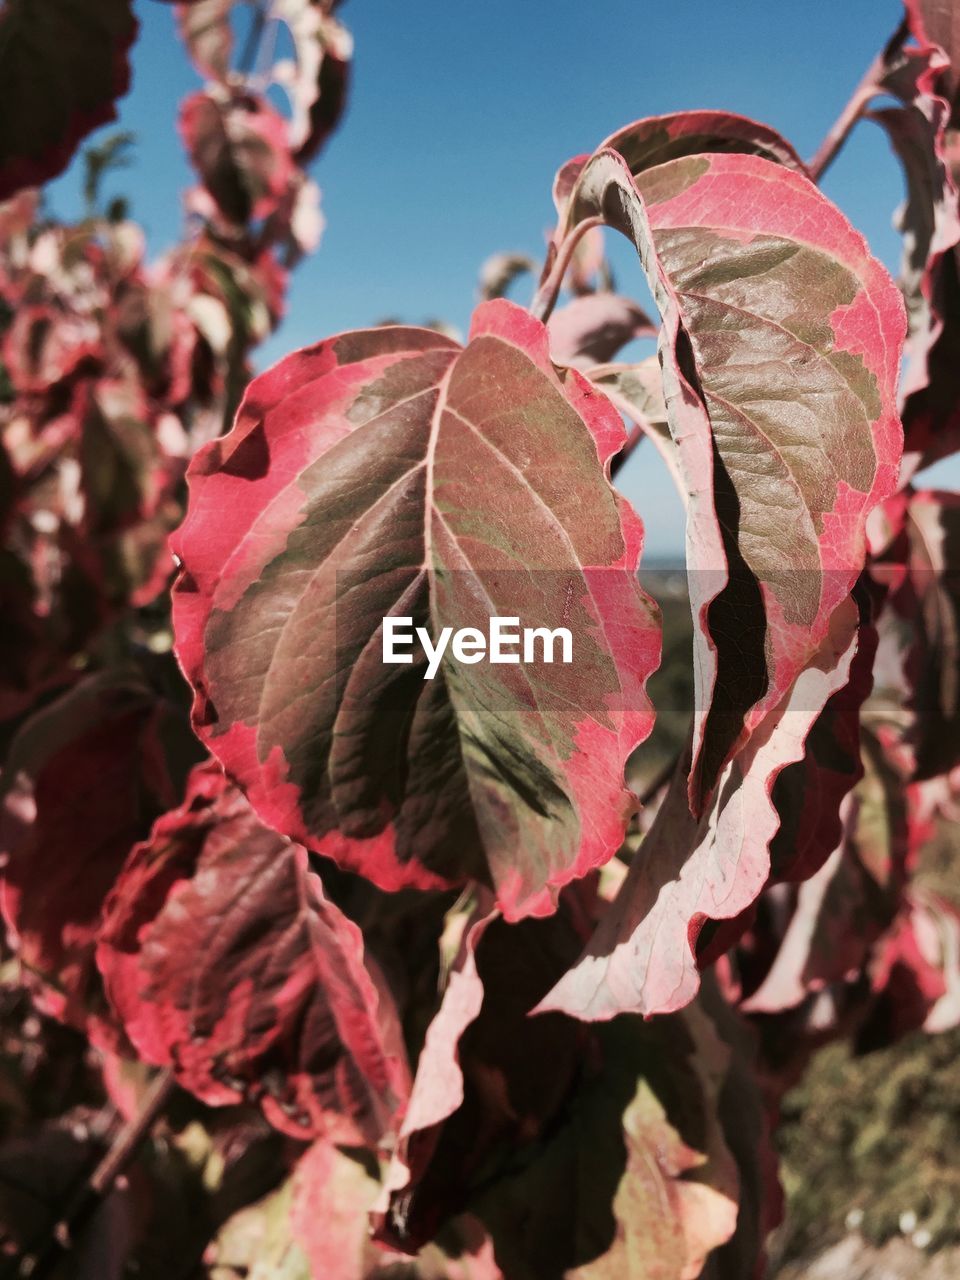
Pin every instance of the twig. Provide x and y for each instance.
(867, 88)
(251, 48)
(660, 779)
(96, 1188)
(546, 297)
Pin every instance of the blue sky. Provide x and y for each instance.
(461, 113)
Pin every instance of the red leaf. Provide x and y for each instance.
(224, 960)
(239, 146)
(812, 948)
(317, 1224)
(930, 224)
(936, 21)
(928, 605)
(364, 460)
(62, 65)
(106, 746)
(499, 272)
(654, 140)
(773, 548)
(767, 539)
(45, 346)
(916, 974)
(808, 794)
(318, 77)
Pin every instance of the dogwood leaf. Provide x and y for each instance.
(500, 271)
(641, 958)
(808, 794)
(393, 472)
(937, 21)
(780, 353)
(916, 76)
(646, 143)
(317, 77)
(916, 975)
(224, 959)
(591, 329)
(317, 1224)
(119, 752)
(929, 604)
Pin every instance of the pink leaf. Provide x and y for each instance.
(206, 31)
(239, 147)
(540, 1127)
(591, 329)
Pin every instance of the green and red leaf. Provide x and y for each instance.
(394, 473)
(780, 350)
(642, 957)
(239, 146)
(780, 353)
(927, 606)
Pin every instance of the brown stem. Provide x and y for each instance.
(660, 779)
(87, 1199)
(546, 297)
(868, 88)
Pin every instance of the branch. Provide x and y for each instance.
(660, 778)
(868, 88)
(546, 297)
(88, 1198)
(251, 48)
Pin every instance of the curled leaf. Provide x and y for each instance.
(206, 31)
(780, 352)
(584, 1152)
(591, 329)
(499, 272)
(641, 958)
